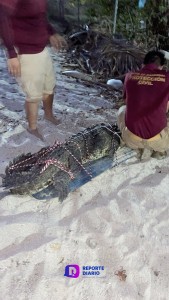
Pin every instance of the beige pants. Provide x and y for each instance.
(158, 143)
(37, 75)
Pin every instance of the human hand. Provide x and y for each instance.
(57, 41)
(14, 67)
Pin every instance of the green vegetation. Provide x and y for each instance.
(147, 26)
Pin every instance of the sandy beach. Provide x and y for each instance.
(118, 221)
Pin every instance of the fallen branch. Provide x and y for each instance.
(89, 79)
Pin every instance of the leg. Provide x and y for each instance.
(121, 122)
(127, 138)
(48, 92)
(61, 182)
(161, 145)
(32, 82)
(32, 115)
(121, 117)
(48, 109)
(159, 155)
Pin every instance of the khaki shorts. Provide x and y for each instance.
(160, 142)
(37, 75)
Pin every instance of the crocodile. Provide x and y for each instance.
(55, 166)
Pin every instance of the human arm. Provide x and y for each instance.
(127, 78)
(56, 40)
(6, 32)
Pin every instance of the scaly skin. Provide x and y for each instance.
(57, 165)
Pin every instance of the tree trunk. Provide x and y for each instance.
(61, 8)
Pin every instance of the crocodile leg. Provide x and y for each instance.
(61, 184)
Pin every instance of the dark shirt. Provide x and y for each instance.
(147, 94)
(23, 25)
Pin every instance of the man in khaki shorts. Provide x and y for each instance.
(25, 32)
(143, 120)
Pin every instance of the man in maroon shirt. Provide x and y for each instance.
(25, 32)
(143, 121)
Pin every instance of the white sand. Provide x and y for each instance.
(118, 220)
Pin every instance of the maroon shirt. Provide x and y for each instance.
(23, 24)
(147, 94)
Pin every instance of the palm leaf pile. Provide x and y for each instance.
(101, 55)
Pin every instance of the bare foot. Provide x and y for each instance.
(53, 120)
(159, 155)
(36, 133)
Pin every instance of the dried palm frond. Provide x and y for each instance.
(104, 56)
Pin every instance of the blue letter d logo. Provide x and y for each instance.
(72, 271)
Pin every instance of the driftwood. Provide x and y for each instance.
(89, 79)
